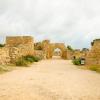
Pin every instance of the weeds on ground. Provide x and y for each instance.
(27, 60)
(5, 68)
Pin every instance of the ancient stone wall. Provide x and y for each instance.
(19, 46)
(15, 48)
(38, 46)
(4, 56)
(18, 40)
(40, 54)
(70, 54)
(19, 51)
(93, 57)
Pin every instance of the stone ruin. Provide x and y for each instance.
(80, 53)
(15, 48)
(93, 57)
(19, 46)
(48, 48)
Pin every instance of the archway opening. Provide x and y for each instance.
(57, 53)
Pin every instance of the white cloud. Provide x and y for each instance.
(74, 22)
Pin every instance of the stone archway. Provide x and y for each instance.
(49, 48)
(60, 46)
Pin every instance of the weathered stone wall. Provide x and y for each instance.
(19, 46)
(4, 56)
(15, 48)
(70, 54)
(38, 46)
(47, 48)
(40, 54)
(19, 51)
(93, 57)
(18, 40)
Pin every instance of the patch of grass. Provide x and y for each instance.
(94, 68)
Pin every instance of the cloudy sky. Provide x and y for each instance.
(74, 22)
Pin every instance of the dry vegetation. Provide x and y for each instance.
(92, 68)
(5, 68)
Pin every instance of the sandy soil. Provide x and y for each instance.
(50, 80)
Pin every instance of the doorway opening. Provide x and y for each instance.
(57, 54)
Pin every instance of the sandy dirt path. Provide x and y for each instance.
(50, 80)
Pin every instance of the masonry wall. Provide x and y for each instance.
(19, 51)
(4, 56)
(70, 54)
(93, 57)
(40, 54)
(15, 48)
(18, 40)
(19, 46)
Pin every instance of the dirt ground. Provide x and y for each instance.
(54, 79)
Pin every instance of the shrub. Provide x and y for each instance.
(77, 61)
(31, 59)
(70, 48)
(21, 62)
(25, 60)
(2, 45)
(36, 59)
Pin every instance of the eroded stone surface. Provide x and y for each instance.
(93, 57)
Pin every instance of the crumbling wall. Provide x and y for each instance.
(17, 47)
(19, 51)
(40, 54)
(70, 54)
(93, 57)
(13, 41)
(4, 56)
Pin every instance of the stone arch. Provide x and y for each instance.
(60, 46)
(49, 48)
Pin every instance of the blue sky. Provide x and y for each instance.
(74, 22)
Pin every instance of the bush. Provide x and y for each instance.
(77, 61)
(36, 59)
(25, 60)
(31, 59)
(21, 62)
(2, 45)
(70, 48)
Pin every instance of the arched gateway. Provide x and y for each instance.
(49, 48)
